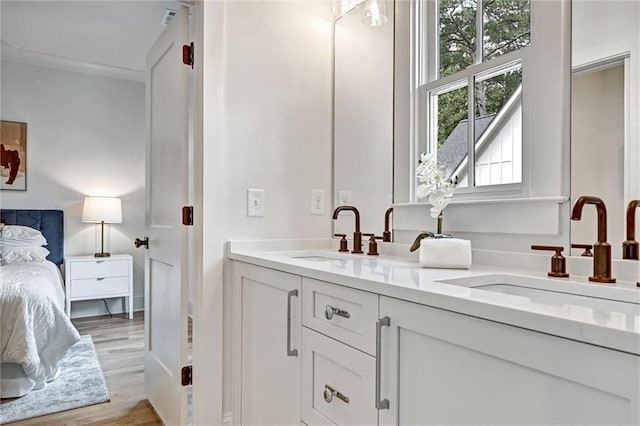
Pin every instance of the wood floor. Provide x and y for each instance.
(119, 343)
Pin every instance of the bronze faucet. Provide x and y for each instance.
(386, 235)
(357, 235)
(601, 249)
(630, 246)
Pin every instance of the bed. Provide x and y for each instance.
(35, 333)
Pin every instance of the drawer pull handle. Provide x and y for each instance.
(330, 311)
(290, 352)
(100, 279)
(330, 392)
(381, 404)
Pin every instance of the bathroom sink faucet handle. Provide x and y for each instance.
(343, 242)
(586, 247)
(558, 261)
(373, 245)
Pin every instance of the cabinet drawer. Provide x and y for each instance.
(99, 269)
(326, 364)
(354, 325)
(97, 287)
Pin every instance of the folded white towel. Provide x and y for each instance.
(451, 253)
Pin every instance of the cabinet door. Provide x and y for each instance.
(440, 367)
(271, 323)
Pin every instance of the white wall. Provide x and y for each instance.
(85, 136)
(277, 116)
(267, 124)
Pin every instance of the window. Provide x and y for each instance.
(472, 92)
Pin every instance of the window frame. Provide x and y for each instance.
(430, 84)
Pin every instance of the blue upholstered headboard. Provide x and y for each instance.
(49, 222)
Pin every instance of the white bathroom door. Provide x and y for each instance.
(166, 265)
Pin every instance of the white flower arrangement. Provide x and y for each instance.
(432, 183)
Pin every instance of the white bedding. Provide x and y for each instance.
(34, 329)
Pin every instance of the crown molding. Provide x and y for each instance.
(15, 54)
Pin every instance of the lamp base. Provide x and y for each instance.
(102, 255)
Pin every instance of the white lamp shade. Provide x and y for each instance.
(102, 209)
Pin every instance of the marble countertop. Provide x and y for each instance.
(607, 316)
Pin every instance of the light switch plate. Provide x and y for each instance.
(317, 201)
(255, 202)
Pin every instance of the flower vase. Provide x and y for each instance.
(440, 219)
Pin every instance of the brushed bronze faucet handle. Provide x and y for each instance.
(343, 242)
(586, 247)
(558, 261)
(373, 245)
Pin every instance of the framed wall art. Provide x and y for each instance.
(13, 156)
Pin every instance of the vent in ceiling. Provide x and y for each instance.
(167, 17)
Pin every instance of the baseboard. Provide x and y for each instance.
(93, 308)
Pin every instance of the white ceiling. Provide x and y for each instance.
(98, 34)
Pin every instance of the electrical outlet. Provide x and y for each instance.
(344, 198)
(317, 201)
(255, 202)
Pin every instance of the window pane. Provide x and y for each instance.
(498, 129)
(452, 133)
(457, 35)
(506, 26)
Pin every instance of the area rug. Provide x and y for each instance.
(80, 383)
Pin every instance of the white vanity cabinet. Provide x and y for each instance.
(270, 358)
(440, 367)
(317, 353)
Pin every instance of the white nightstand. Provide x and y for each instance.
(90, 278)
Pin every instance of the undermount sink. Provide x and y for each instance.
(322, 256)
(554, 294)
(315, 258)
(556, 298)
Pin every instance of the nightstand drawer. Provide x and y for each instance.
(99, 287)
(99, 269)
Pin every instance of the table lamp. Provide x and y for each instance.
(102, 210)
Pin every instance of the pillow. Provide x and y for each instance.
(23, 254)
(21, 236)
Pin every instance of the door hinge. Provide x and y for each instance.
(187, 215)
(187, 54)
(186, 375)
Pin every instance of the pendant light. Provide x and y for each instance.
(375, 13)
(342, 7)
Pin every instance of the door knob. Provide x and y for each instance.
(144, 242)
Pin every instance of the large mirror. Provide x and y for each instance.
(605, 129)
(363, 119)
